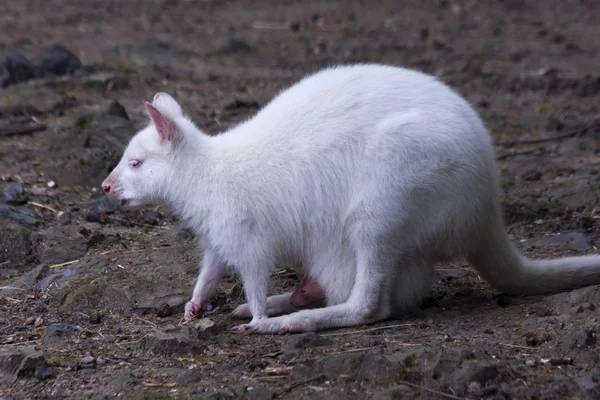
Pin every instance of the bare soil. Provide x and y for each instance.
(97, 309)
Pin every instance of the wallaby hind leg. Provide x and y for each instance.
(276, 305)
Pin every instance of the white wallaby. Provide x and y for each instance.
(367, 175)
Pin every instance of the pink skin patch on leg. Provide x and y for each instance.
(308, 294)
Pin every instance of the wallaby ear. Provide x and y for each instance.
(166, 128)
(165, 102)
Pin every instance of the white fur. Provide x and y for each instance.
(368, 175)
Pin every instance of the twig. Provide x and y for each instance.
(33, 203)
(517, 346)
(146, 321)
(63, 264)
(12, 288)
(4, 263)
(426, 389)
(379, 328)
(350, 351)
(158, 384)
(299, 383)
(23, 130)
(516, 153)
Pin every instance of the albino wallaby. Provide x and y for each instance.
(367, 175)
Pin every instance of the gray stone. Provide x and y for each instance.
(87, 362)
(170, 343)
(57, 334)
(373, 368)
(24, 283)
(35, 100)
(19, 215)
(21, 362)
(16, 244)
(61, 244)
(57, 60)
(16, 68)
(295, 344)
(579, 338)
(14, 194)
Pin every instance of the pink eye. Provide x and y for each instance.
(135, 163)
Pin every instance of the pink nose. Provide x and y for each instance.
(106, 186)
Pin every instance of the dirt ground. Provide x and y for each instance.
(92, 297)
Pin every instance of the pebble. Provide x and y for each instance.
(57, 60)
(16, 68)
(87, 362)
(95, 317)
(42, 373)
(14, 194)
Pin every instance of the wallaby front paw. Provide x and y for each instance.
(193, 310)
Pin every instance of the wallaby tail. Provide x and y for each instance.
(501, 264)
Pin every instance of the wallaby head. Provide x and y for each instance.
(149, 160)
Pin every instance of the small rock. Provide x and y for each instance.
(578, 338)
(57, 60)
(298, 343)
(172, 343)
(14, 194)
(16, 244)
(61, 244)
(504, 300)
(87, 362)
(235, 45)
(117, 110)
(164, 310)
(51, 184)
(150, 217)
(16, 68)
(587, 306)
(95, 317)
(530, 363)
(30, 321)
(57, 333)
(42, 373)
(20, 362)
(203, 329)
(20, 215)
